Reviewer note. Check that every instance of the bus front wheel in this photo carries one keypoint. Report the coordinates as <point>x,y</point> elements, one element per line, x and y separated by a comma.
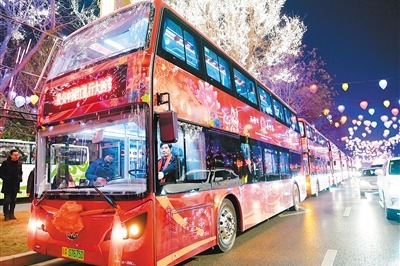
<point>296,199</point>
<point>227,226</point>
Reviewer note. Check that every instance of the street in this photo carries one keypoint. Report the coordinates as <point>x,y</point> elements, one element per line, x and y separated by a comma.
<point>336,228</point>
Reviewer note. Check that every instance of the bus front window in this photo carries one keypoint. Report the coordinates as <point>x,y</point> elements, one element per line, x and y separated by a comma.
<point>111,156</point>
<point>127,30</point>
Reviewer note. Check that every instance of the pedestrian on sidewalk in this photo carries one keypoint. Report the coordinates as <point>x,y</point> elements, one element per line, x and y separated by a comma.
<point>11,173</point>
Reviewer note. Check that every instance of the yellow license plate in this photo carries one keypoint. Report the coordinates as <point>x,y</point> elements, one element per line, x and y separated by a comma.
<point>73,253</point>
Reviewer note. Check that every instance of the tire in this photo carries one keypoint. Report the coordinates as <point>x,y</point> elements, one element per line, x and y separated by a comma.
<point>296,199</point>
<point>390,214</point>
<point>227,226</point>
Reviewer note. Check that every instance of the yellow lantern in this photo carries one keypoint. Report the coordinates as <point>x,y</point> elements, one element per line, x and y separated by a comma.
<point>34,99</point>
<point>386,103</point>
<point>326,111</point>
<point>343,119</point>
<point>345,86</point>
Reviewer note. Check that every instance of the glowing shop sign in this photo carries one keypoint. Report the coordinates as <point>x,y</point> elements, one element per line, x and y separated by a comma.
<point>84,91</point>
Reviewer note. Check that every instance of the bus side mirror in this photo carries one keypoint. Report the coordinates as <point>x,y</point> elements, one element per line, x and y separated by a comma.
<point>168,126</point>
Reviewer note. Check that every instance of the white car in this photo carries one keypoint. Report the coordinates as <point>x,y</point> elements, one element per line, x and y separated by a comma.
<point>389,187</point>
<point>368,181</point>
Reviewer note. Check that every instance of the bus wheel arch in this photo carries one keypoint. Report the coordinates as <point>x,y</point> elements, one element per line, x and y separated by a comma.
<point>227,225</point>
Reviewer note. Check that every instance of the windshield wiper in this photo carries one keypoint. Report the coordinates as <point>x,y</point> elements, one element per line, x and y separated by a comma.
<point>108,199</point>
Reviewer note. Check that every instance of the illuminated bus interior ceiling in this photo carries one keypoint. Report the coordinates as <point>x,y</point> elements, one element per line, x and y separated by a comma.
<point>124,31</point>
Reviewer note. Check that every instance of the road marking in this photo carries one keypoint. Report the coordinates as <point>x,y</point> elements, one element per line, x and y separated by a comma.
<point>347,211</point>
<point>329,258</point>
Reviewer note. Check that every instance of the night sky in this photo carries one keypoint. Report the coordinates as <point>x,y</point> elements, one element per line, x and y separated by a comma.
<point>360,42</point>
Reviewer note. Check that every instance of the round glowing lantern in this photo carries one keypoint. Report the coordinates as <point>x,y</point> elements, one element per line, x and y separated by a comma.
<point>383,84</point>
<point>19,101</point>
<point>386,103</point>
<point>384,118</point>
<point>313,88</point>
<point>395,111</point>
<point>345,86</point>
<point>341,108</point>
<point>364,104</point>
<point>34,99</point>
<point>371,111</point>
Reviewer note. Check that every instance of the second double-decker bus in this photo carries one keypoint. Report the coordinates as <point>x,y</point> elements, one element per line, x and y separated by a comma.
<point>336,164</point>
<point>126,85</point>
<point>315,158</point>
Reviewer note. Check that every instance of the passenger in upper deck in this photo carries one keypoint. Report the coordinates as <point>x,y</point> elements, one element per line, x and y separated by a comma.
<point>101,170</point>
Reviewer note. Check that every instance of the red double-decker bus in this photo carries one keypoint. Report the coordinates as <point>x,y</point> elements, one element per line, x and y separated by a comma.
<point>316,158</point>
<point>127,84</point>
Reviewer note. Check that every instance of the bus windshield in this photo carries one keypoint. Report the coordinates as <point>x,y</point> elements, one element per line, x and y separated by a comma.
<point>124,31</point>
<point>109,154</point>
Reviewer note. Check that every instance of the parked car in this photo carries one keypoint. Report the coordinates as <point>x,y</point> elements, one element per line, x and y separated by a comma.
<point>368,181</point>
<point>389,187</point>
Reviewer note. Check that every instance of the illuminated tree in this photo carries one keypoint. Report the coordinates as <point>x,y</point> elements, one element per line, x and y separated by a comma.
<point>28,23</point>
<point>254,32</point>
<point>293,79</point>
<point>28,30</point>
<point>268,44</point>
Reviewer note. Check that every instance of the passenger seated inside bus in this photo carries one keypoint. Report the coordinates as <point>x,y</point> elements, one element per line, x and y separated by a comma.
<point>101,170</point>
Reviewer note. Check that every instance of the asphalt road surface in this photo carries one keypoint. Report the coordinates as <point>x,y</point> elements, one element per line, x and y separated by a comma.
<point>336,228</point>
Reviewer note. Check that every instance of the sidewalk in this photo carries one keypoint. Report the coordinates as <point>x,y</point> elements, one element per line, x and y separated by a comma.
<point>26,258</point>
<point>23,207</point>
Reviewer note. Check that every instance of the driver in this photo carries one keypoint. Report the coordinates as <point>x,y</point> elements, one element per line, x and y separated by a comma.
<point>101,170</point>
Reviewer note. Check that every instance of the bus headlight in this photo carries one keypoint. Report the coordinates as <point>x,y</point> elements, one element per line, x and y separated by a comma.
<point>36,224</point>
<point>136,226</point>
<point>133,228</point>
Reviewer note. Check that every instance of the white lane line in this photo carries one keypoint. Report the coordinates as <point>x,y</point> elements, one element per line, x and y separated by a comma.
<point>329,258</point>
<point>347,211</point>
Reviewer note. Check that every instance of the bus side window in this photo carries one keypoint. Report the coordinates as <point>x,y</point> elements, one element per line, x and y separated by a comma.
<point>180,43</point>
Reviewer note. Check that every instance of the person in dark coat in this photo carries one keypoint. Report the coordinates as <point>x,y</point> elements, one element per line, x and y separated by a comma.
<point>101,170</point>
<point>11,174</point>
<point>167,165</point>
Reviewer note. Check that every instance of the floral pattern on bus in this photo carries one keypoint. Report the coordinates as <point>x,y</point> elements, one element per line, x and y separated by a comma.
<point>200,102</point>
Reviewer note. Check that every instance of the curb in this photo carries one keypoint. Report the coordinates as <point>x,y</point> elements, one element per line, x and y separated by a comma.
<point>23,259</point>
